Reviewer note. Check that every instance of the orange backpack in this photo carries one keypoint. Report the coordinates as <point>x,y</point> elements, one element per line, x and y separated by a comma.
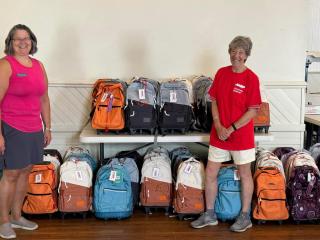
<point>42,190</point>
<point>108,105</point>
<point>269,201</point>
<point>262,119</point>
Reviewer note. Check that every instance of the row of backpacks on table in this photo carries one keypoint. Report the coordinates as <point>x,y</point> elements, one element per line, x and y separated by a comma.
<point>286,181</point>
<point>146,105</point>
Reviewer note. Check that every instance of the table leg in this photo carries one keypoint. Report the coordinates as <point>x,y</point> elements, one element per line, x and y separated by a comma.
<point>101,157</point>
<point>318,134</point>
<point>309,130</point>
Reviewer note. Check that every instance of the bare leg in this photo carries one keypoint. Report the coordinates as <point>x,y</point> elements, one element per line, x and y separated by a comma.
<point>20,193</point>
<point>211,187</point>
<point>8,186</point>
<point>246,186</point>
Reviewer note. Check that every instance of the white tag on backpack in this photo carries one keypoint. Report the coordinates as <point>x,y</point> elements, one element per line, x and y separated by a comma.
<point>188,168</point>
<point>113,176</point>
<point>142,94</point>
<point>309,177</point>
<point>79,175</point>
<point>173,96</point>
<point>104,97</point>
<point>236,175</point>
<point>155,172</point>
<point>38,178</point>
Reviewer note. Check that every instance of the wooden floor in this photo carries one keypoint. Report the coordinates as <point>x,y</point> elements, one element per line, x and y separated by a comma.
<point>156,227</point>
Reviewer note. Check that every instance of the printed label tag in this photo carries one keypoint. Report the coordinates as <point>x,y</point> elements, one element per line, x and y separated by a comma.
<point>113,175</point>
<point>142,94</point>
<point>104,97</point>
<point>188,168</point>
<point>155,172</point>
<point>236,175</point>
<point>309,177</point>
<point>173,96</point>
<point>38,178</point>
<point>118,178</point>
<point>79,175</point>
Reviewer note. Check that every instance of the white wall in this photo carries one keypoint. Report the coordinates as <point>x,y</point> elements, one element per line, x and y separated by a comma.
<point>81,40</point>
<point>313,37</point>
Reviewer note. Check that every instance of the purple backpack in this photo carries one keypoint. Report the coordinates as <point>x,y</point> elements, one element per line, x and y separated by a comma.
<point>303,194</point>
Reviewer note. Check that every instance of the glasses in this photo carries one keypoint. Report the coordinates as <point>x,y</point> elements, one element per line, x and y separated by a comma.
<point>27,39</point>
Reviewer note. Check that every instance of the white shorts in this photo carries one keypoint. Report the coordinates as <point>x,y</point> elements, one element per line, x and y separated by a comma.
<point>239,157</point>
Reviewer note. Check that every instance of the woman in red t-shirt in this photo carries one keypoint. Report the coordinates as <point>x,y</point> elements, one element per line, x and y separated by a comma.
<point>236,99</point>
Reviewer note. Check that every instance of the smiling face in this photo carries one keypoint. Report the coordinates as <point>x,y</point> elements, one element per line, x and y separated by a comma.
<point>238,58</point>
<point>21,43</point>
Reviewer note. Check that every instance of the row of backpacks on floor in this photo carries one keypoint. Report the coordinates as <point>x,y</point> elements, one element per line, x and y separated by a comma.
<point>287,183</point>
<point>146,105</point>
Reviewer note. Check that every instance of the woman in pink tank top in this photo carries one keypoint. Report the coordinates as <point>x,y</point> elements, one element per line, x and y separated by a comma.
<point>25,126</point>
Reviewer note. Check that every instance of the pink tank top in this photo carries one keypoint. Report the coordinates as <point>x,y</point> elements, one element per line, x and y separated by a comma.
<point>21,106</point>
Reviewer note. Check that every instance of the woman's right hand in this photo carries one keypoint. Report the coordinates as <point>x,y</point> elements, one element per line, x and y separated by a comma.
<point>2,145</point>
<point>222,132</point>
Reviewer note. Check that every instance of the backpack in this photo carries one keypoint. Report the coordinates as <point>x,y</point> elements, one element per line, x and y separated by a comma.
<point>177,156</point>
<point>228,201</point>
<point>112,193</point>
<point>175,108</point>
<point>80,154</point>
<point>130,165</point>
<point>108,105</point>
<point>269,199</point>
<point>266,158</point>
<point>303,186</point>
<point>303,193</point>
<point>142,105</point>
<point>202,102</point>
<point>280,151</point>
<point>134,155</point>
<point>189,187</point>
<point>298,158</point>
<point>315,152</point>
<point>262,119</point>
<point>156,178</point>
<point>75,187</point>
<point>43,180</point>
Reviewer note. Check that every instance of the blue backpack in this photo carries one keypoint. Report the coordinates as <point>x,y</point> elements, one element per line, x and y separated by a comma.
<point>132,169</point>
<point>228,201</point>
<point>112,193</point>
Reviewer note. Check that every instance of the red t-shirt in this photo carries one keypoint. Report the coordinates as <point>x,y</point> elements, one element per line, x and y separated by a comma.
<point>234,94</point>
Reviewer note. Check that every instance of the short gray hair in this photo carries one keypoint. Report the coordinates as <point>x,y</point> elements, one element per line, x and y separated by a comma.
<point>8,42</point>
<point>241,42</point>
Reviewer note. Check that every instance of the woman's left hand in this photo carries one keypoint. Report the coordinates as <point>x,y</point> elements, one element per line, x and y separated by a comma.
<point>47,138</point>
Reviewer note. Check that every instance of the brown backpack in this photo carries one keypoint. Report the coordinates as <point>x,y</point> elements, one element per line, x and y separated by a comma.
<point>155,193</point>
<point>108,105</point>
<point>188,200</point>
<point>74,198</point>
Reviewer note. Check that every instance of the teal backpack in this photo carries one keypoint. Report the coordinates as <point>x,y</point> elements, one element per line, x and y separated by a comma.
<point>112,193</point>
<point>228,201</point>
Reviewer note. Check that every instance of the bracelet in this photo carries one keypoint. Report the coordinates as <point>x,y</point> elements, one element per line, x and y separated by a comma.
<point>48,129</point>
<point>234,127</point>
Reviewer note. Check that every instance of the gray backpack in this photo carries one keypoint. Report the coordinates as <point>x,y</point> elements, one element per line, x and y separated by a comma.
<point>142,105</point>
<point>202,102</point>
<point>176,112</point>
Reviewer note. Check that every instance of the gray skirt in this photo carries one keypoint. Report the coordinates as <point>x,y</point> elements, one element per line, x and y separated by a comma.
<point>21,148</point>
